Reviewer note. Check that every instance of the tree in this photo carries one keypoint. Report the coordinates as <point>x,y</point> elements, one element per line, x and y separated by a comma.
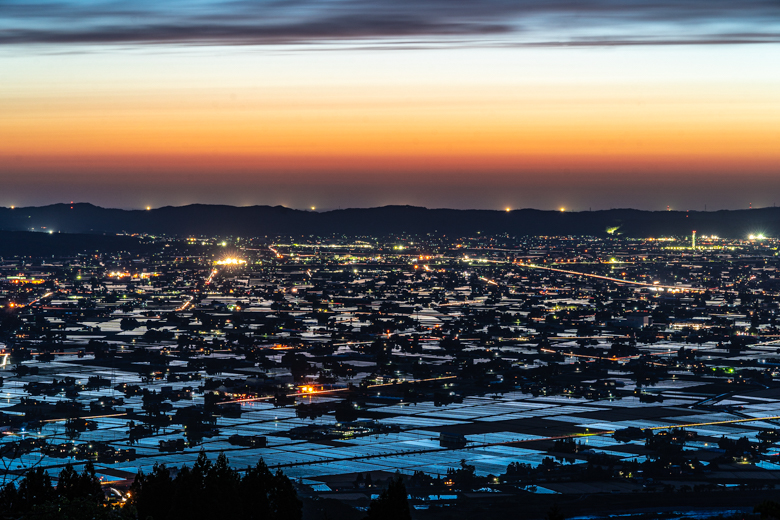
<point>86,485</point>
<point>151,494</point>
<point>256,483</point>
<point>392,503</point>
<point>222,481</point>
<point>284,499</point>
<point>768,510</point>
<point>554,513</point>
<point>35,488</point>
<point>129,323</point>
<point>208,491</point>
<point>464,477</point>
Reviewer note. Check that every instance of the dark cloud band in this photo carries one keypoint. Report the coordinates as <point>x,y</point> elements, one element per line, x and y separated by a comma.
<point>519,22</point>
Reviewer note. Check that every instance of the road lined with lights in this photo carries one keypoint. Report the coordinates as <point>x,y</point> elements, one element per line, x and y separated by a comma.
<point>610,279</point>
<point>308,390</point>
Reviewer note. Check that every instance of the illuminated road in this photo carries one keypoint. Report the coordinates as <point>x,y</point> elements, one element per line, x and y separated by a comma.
<point>610,279</point>
<point>337,390</point>
<point>37,300</point>
<point>587,275</point>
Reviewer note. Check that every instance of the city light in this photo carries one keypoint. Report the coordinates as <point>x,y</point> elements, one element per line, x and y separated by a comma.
<point>230,261</point>
<point>314,311</point>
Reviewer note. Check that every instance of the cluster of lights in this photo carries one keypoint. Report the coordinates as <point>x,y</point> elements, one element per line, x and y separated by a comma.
<point>230,261</point>
<point>125,274</point>
<point>32,281</point>
<point>759,236</point>
<point>661,289</point>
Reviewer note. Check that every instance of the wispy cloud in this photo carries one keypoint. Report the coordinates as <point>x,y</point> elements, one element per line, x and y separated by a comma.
<point>503,22</point>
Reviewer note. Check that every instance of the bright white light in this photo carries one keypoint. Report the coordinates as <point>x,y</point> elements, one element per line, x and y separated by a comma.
<point>230,261</point>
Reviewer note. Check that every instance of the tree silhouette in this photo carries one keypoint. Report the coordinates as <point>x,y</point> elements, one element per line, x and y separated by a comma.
<point>554,513</point>
<point>392,504</point>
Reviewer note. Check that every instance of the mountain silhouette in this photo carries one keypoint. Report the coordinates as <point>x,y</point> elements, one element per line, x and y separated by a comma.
<point>258,221</point>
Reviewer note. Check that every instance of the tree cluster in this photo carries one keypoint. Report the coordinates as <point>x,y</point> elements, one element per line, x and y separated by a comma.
<point>76,496</point>
<point>215,490</point>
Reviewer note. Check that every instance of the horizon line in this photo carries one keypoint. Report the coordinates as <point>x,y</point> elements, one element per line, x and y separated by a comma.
<point>314,209</point>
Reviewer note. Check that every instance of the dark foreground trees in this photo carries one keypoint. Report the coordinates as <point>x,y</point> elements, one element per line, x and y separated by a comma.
<point>206,491</point>
<point>77,496</point>
<point>392,503</point>
<point>215,490</point>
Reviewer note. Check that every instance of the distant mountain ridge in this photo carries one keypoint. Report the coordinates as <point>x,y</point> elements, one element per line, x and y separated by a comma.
<point>219,220</point>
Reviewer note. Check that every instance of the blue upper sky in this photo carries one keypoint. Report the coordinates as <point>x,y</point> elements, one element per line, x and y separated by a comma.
<point>417,22</point>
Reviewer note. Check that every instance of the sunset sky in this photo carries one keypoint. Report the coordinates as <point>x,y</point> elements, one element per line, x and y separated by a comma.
<point>442,103</point>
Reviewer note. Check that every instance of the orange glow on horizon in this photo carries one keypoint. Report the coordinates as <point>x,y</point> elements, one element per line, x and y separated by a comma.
<point>412,128</point>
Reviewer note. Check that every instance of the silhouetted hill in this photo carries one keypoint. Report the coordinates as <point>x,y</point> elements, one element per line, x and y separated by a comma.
<point>211,220</point>
<point>28,243</point>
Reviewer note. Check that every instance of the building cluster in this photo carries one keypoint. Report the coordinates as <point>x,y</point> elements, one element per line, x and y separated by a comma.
<point>466,363</point>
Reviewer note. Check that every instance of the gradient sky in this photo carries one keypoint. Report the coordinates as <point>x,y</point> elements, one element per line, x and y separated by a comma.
<point>443,103</point>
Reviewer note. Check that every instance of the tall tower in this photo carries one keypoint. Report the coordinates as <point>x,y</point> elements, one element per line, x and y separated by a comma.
<point>693,240</point>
